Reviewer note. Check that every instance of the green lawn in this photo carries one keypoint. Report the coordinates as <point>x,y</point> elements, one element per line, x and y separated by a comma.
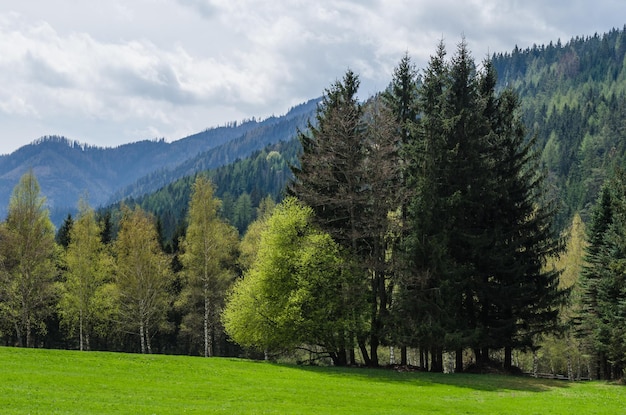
<point>67,382</point>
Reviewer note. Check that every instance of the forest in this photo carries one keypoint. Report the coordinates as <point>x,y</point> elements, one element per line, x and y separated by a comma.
<point>450,219</point>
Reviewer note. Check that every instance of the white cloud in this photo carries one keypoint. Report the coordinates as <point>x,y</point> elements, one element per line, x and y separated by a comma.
<point>123,70</point>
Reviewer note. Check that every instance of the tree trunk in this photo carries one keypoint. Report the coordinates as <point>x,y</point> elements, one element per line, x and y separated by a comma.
<point>508,358</point>
<point>206,323</point>
<point>403,356</point>
<point>374,343</point>
<point>458,364</point>
<point>148,344</point>
<point>436,364</point>
<point>392,356</point>
<point>142,337</point>
<point>80,330</point>
<point>18,333</point>
<point>364,353</point>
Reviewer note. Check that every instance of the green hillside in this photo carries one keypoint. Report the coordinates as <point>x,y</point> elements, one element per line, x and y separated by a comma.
<point>574,99</point>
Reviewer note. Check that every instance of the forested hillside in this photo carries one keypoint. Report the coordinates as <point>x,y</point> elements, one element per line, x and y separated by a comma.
<point>240,186</point>
<point>573,98</point>
<point>68,169</point>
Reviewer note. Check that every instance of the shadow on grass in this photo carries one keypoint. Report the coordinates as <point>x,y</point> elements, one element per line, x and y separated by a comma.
<point>480,382</point>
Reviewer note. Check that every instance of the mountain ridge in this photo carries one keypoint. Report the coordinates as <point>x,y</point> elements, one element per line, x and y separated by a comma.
<point>67,169</point>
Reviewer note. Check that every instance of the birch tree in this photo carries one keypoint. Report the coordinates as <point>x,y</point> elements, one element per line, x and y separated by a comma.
<point>87,265</point>
<point>28,269</point>
<point>208,255</point>
<point>142,275</point>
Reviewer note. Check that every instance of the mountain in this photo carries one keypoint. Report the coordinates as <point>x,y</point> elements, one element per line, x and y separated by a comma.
<point>68,169</point>
<point>573,97</point>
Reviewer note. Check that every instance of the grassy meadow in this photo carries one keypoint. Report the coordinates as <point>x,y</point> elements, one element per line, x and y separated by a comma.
<point>36,381</point>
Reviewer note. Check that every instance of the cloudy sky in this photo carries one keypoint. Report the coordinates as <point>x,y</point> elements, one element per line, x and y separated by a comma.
<point>117,71</point>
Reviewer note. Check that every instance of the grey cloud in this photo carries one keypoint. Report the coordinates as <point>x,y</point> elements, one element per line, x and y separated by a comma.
<point>44,73</point>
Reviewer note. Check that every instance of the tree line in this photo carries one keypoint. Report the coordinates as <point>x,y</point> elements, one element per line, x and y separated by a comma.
<point>441,227</point>
<point>418,219</point>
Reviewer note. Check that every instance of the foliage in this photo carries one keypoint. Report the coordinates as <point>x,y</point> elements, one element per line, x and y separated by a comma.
<point>142,276</point>
<point>83,304</point>
<point>27,290</point>
<point>298,291</point>
<point>208,257</point>
<point>603,313</point>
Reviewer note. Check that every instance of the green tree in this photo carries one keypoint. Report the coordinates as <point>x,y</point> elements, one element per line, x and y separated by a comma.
<point>63,234</point>
<point>298,292</point>
<point>251,241</point>
<point>348,175</point>
<point>208,259</point>
<point>603,313</point>
<point>27,290</point>
<point>480,226</point>
<point>88,265</point>
<point>142,276</point>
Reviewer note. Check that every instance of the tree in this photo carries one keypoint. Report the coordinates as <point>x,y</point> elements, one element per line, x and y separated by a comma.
<point>27,291</point>
<point>63,235</point>
<point>208,258</point>
<point>603,313</point>
<point>480,225</point>
<point>348,176</point>
<point>88,264</point>
<point>402,99</point>
<point>142,275</point>
<point>251,241</point>
<point>299,291</point>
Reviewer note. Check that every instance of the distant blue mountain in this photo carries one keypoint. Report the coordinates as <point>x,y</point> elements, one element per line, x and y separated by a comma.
<point>68,169</point>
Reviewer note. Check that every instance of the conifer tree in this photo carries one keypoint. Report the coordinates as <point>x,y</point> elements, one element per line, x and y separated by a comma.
<point>603,314</point>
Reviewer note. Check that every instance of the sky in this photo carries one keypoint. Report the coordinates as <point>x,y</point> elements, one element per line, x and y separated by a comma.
<point>111,72</point>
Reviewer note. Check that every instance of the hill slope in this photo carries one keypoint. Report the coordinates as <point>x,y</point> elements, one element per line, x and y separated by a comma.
<point>67,169</point>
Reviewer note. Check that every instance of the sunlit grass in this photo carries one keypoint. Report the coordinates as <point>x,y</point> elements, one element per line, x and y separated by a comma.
<point>66,382</point>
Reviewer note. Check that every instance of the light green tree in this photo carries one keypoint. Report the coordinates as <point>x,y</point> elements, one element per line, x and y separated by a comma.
<point>142,276</point>
<point>298,292</point>
<point>28,269</point>
<point>208,258</point>
<point>88,265</point>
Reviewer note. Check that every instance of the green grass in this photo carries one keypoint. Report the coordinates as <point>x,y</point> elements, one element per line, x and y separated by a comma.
<point>65,382</point>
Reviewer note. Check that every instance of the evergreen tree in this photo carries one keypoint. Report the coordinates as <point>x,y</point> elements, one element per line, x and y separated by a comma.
<point>603,315</point>
<point>481,227</point>
<point>63,234</point>
<point>349,175</point>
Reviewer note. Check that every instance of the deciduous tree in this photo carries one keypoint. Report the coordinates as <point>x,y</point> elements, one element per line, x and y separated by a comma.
<point>89,268</point>
<point>208,258</point>
<point>27,290</point>
<point>142,276</point>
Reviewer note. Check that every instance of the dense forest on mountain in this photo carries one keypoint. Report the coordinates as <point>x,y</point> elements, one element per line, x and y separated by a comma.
<point>573,98</point>
<point>67,170</point>
<point>240,186</point>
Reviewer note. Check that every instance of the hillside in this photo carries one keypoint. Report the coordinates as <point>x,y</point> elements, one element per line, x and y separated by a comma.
<point>68,169</point>
<point>573,98</point>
